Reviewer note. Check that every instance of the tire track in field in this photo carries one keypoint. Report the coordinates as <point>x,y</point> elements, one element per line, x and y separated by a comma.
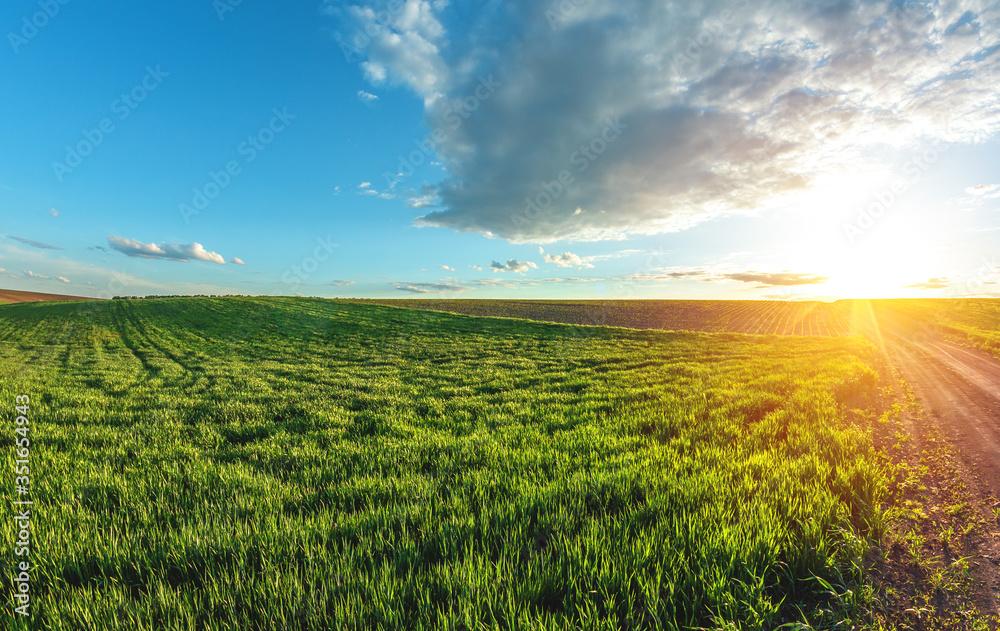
<point>191,372</point>
<point>142,345</point>
<point>120,324</point>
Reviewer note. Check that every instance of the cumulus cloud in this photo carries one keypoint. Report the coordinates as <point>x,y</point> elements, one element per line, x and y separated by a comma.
<point>31,274</point>
<point>513,265</point>
<point>430,288</point>
<point>169,251</point>
<point>400,42</point>
<point>62,279</point>
<point>34,244</point>
<point>447,269</point>
<point>567,259</point>
<point>640,116</point>
<point>237,261</point>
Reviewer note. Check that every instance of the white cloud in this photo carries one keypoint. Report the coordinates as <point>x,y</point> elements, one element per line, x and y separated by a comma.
<point>341,283</point>
<point>447,269</point>
<point>424,198</point>
<point>365,188</point>
<point>170,251</point>
<point>986,191</point>
<point>568,259</point>
<point>237,261</point>
<point>367,97</point>
<point>705,109</point>
<point>53,212</point>
<point>979,196</point>
<point>30,274</point>
<point>401,43</point>
<point>513,265</point>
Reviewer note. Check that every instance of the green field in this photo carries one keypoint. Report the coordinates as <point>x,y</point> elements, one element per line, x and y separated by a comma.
<point>281,463</point>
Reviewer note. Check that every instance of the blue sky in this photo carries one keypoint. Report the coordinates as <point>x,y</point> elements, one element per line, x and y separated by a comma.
<point>574,149</point>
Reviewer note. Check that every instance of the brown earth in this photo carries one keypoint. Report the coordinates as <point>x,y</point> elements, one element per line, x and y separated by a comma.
<point>11,296</point>
<point>761,317</point>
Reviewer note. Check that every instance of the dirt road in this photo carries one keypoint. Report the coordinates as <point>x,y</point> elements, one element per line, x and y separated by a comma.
<point>959,389</point>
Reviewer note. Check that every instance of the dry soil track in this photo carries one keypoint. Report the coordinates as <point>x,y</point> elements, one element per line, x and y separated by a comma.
<point>959,389</point>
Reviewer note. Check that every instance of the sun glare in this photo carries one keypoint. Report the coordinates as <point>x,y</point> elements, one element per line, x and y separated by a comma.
<point>861,259</point>
<point>882,265</point>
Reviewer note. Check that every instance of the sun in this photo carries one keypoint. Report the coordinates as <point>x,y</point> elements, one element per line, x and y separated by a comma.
<point>878,260</point>
<point>882,262</point>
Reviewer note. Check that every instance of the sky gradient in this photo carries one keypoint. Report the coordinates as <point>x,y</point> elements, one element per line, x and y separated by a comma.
<point>564,149</point>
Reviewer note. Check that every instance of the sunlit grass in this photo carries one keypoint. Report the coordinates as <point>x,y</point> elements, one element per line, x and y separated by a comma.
<point>306,464</point>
